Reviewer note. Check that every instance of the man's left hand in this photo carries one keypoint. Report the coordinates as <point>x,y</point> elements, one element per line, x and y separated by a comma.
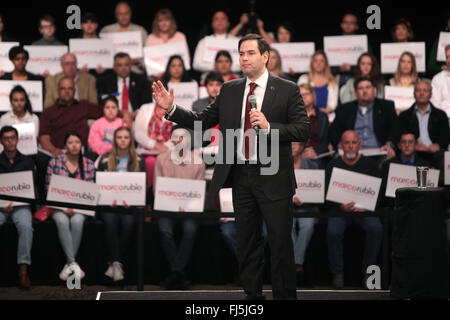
<point>388,149</point>
<point>257,118</point>
<point>434,147</point>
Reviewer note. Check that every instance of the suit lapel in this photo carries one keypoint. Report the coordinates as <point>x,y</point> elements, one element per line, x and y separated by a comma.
<point>237,103</point>
<point>269,95</point>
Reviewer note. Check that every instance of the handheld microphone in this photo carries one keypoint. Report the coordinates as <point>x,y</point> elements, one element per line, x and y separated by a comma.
<point>252,101</point>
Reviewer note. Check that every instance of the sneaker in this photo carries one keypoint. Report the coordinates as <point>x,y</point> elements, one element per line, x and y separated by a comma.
<point>118,271</point>
<point>64,274</point>
<point>110,271</point>
<point>338,280</point>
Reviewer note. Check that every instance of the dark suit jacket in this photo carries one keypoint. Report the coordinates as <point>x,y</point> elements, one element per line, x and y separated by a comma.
<point>322,133</point>
<point>438,128</point>
<point>385,121</point>
<point>30,76</point>
<point>284,109</point>
<point>140,91</point>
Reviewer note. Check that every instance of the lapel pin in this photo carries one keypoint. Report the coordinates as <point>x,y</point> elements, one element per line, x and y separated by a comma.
<point>272,88</point>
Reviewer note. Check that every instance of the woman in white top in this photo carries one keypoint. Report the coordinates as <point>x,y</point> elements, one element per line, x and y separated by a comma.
<point>406,74</point>
<point>324,84</point>
<point>21,110</point>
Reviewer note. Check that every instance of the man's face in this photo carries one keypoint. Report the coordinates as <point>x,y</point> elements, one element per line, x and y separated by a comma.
<point>407,144</point>
<point>213,88</point>
<point>69,65</point>
<point>365,92</point>
<point>47,29</point>
<point>220,23</point>
<point>251,60</point>
<point>223,65</point>
<point>66,90</point>
<point>350,144</point>
<point>123,14</point>
<point>9,141</point>
<point>422,93</point>
<point>89,27</point>
<point>20,61</point>
<point>122,66</point>
<point>349,24</point>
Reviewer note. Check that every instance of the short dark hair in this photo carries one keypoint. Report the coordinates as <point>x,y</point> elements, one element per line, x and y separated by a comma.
<point>109,98</point>
<point>361,79</point>
<point>6,129</point>
<point>223,53</point>
<point>407,131</point>
<point>120,55</point>
<point>89,16</point>
<point>46,17</point>
<point>286,25</point>
<point>213,76</point>
<point>263,46</point>
<point>14,51</point>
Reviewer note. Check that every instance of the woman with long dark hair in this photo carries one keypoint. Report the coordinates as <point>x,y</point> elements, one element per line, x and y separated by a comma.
<point>175,71</point>
<point>69,222</point>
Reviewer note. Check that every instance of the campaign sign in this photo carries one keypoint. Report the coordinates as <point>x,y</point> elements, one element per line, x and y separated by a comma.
<point>122,186</point>
<point>403,97</point>
<point>65,189</point>
<point>295,55</point>
<point>44,58</point>
<point>33,89</point>
<point>16,184</point>
<point>344,49</point>
<point>93,52</point>
<point>5,64</point>
<point>156,57</point>
<point>226,200</point>
<point>403,176</point>
<point>347,186</point>
<point>391,52</point>
<point>185,93</point>
<point>214,45</point>
<point>444,40</point>
<point>129,42</point>
<point>173,194</point>
<point>310,185</point>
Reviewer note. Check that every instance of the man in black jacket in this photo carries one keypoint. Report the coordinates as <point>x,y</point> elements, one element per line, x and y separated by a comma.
<point>131,89</point>
<point>374,120</point>
<point>429,124</point>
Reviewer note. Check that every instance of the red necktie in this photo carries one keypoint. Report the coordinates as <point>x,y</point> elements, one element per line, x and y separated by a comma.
<point>125,97</point>
<point>249,140</point>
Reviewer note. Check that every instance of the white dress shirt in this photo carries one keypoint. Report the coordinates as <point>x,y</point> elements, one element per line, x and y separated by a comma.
<point>120,89</point>
<point>440,96</point>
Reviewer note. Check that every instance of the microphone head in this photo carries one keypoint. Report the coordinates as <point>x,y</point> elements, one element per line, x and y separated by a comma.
<point>252,100</point>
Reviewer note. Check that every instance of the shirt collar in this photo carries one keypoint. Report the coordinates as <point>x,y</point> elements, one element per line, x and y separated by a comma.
<point>410,162</point>
<point>426,111</point>
<point>261,81</point>
<point>369,107</point>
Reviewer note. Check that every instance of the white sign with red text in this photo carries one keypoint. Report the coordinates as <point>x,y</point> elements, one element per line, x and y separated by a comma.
<point>5,64</point>
<point>156,57</point>
<point>16,184</point>
<point>33,89</point>
<point>179,195</point>
<point>444,40</point>
<point>122,186</point>
<point>27,138</point>
<point>391,52</point>
<point>70,190</point>
<point>185,93</point>
<point>226,203</point>
<point>403,176</point>
<point>347,186</point>
<point>92,52</point>
<point>45,58</point>
<point>403,97</point>
<point>310,185</point>
<point>344,49</point>
<point>213,45</point>
<point>295,56</point>
<point>129,42</point>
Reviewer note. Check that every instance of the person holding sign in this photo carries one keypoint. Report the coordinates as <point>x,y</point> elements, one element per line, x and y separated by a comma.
<point>406,74</point>
<point>434,67</point>
<point>351,160</point>
<point>257,196</point>
<point>122,158</point>
<point>402,31</point>
<point>275,65</point>
<point>69,223</point>
<point>19,57</point>
<point>179,163</point>
<point>11,160</point>
<point>441,86</point>
<point>222,65</point>
<point>175,71</point>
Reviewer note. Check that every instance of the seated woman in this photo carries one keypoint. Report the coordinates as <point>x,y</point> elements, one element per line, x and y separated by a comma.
<point>323,82</point>
<point>222,65</point>
<point>367,66</point>
<point>69,223</point>
<point>19,57</point>
<point>275,65</point>
<point>122,158</point>
<point>406,73</point>
<point>175,71</point>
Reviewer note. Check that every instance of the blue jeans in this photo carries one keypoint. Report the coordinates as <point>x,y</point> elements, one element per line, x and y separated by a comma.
<point>70,232</point>
<point>335,234</point>
<point>177,257</point>
<point>228,230</point>
<point>118,243</point>
<point>301,238</point>
<point>21,216</point>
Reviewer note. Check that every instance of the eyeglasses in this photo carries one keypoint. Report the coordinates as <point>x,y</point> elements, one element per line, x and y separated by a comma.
<point>9,138</point>
<point>410,142</point>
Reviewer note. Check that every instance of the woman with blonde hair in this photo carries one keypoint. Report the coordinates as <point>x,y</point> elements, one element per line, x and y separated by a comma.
<point>406,73</point>
<point>275,65</point>
<point>324,83</point>
<point>122,158</point>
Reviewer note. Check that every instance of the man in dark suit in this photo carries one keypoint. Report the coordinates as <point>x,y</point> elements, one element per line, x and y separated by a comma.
<point>429,125</point>
<point>256,196</point>
<point>374,120</point>
<point>131,89</point>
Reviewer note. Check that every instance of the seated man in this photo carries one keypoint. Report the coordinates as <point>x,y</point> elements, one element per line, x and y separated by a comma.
<point>131,89</point>
<point>183,164</point>
<point>85,83</point>
<point>441,86</point>
<point>373,119</point>
<point>428,123</point>
<point>11,160</point>
<point>213,83</point>
<point>351,160</point>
